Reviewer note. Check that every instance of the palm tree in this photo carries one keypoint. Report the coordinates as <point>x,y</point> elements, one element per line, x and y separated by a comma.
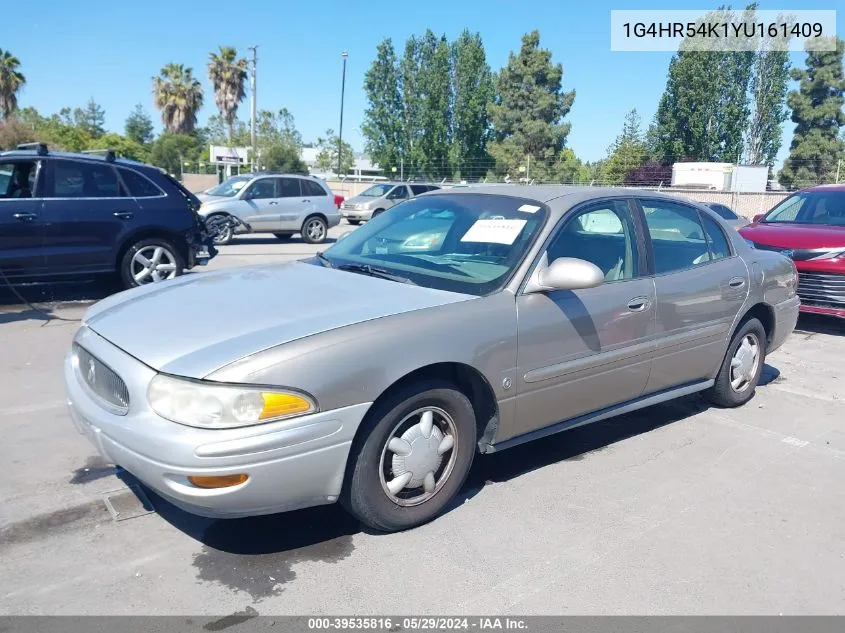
<point>178,94</point>
<point>11,81</point>
<point>228,76</point>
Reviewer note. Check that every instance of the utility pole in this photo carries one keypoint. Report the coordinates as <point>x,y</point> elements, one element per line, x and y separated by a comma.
<point>254,50</point>
<point>344,54</point>
<point>838,167</point>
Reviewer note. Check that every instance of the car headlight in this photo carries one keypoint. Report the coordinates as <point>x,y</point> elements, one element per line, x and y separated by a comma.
<point>214,406</point>
<point>361,207</point>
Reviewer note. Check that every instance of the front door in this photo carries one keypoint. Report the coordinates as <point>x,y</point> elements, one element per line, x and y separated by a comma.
<point>21,224</point>
<point>260,206</point>
<point>583,350</point>
<point>399,194</point>
<point>87,215</point>
<point>701,285</point>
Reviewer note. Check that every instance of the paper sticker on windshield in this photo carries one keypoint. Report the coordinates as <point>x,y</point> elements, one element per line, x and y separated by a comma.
<point>494,231</point>
<point>528,208</point>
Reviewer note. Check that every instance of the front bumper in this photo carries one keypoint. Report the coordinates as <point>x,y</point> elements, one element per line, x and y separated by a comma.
<point>291,464</point>
<point>352,214</point>
<point>833,312</point>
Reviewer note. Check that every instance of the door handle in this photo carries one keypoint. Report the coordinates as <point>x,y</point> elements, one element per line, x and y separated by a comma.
<point>638,304</point>
<point>24,217</point>
<point>736,282</point>
<point>273,202</point>
<point>124,215</point>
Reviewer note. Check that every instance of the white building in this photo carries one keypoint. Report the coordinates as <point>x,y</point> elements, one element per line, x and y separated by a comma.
<point>720,176</point>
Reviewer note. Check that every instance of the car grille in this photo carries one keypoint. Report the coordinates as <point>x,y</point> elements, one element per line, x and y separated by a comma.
<point>105,385</point>
<point>823,290</point>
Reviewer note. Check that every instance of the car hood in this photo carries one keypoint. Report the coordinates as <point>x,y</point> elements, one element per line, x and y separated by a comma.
<point>201,322</point>
<point>794,235</point>
<point>360,199</point>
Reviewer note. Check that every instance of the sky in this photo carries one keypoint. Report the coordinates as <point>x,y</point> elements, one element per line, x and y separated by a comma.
<point>73,50</point>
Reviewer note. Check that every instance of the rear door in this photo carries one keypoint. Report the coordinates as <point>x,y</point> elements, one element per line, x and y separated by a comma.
<point>293,202</point>
<point>87,216</point>
<point>21,221</point>
<point>701,285</point>
<point>263,208</point>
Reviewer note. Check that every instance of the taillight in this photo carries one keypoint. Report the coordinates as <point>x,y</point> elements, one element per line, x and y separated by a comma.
<point>338,200</point>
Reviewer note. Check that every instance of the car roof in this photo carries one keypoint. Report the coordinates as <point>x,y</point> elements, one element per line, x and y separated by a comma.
<point>93,158</point>
<point>831,187</point>
<point>547,193</point>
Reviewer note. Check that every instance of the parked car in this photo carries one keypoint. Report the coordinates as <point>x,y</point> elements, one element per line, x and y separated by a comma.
<point>727,214</point>
<point>373,373</point>
<point>379,198</point>
<point>80,215</point>
<point>809,227</point>
<point>281,204</point>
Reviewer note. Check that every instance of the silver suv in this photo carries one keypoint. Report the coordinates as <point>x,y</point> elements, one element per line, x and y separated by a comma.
<point>281,204</point>
<point>378,198</point>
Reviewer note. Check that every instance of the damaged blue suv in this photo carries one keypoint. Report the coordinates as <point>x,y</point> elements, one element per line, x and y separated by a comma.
<point>80,215</point>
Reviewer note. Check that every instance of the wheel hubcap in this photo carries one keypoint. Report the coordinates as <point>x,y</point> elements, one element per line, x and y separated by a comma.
<point>314,230</point>
<point>151,264</point>
<point>224,235</point>
<point>745,362</point>
<point>419,456</point>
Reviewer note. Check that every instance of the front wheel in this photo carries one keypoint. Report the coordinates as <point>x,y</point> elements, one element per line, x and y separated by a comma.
<point>224,234</point>
<point>416,452</point>
<point>150,261</point>
<point>314,230</point>
<point>740,371</point>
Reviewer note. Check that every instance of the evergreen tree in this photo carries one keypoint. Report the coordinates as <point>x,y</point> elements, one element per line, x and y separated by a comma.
<point>627,152</point>
<point>528,112</point>
<point>139,126</point>
<point>383,119</point>
<point>472,94</point>
<point>817,113</point>
<point>91,119</point>
<point>768,98</point>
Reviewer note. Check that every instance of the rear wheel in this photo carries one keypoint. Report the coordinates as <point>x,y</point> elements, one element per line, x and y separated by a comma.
<point>314,230</point>
<point>149,261</point>
<point>414,454</point>
<point>740,371</point>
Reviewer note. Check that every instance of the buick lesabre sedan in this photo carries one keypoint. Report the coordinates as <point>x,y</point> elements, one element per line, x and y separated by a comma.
<point>460,322</point>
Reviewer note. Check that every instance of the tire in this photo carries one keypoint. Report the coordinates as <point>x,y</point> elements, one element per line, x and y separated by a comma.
<point>170,264</point>
<point>283,236</point>
<point>371,467</point>
<point>354,222</point>
<point>749,333</point>
<point>226,236</point>
<point>314,230</point>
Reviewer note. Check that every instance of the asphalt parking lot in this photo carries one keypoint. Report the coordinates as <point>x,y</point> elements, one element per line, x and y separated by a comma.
<point>676,509</point>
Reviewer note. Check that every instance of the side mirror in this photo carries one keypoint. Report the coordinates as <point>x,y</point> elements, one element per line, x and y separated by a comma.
<point>566,273</point>
<point>758,217</point>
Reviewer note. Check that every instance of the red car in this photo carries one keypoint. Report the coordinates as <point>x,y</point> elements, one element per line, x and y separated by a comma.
<point>809,227</point>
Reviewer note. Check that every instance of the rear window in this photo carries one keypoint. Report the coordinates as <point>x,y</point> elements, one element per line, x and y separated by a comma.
<point>311,188</point>
<point>139,186</point>
<point>723,211</point>
<point>418,189</point>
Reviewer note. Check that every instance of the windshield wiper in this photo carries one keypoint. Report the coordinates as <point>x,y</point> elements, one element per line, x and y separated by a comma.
<point>366,269</point>
<point>326,261</point>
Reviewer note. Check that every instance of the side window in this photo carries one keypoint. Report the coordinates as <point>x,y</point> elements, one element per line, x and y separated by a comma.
<point>603,235</point>
<point>676,236</point>
<point>418,189</point>
<point>715,238</point>
<point>399,193</point>
<point>261,190</point>
<point>17,180</point>
<point>84,180</point>
<point>289,187</point>
<point>138,185</point>
<point>311,188</point>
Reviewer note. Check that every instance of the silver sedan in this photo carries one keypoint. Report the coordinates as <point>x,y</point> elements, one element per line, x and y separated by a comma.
<point>461,322</point>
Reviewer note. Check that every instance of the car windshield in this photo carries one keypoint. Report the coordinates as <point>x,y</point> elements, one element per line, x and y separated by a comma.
<point>230,187</point>
<point>469,243</point>
<point>376,191</point>
<point>810,207</point>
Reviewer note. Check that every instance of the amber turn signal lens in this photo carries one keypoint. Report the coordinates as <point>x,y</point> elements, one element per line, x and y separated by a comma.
<point>279,404</point>
<point>218,481</point>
